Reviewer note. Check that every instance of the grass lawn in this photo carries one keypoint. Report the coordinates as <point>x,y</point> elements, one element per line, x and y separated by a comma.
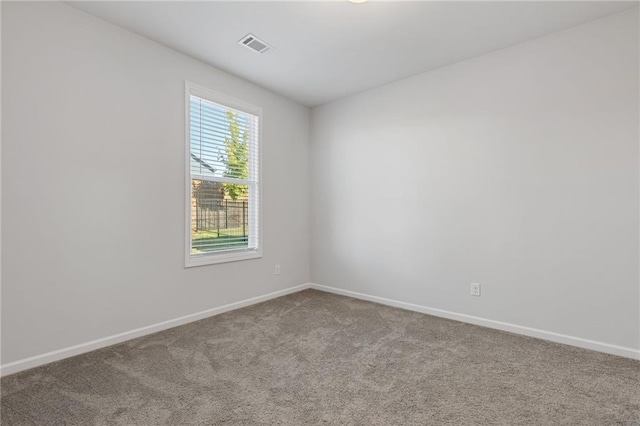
<point>207,241</point>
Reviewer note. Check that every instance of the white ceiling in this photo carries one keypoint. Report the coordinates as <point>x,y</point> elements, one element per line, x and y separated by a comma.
<point>327,50</point>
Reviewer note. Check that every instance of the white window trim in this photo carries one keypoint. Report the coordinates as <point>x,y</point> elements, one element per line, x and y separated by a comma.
<point>230,255</point>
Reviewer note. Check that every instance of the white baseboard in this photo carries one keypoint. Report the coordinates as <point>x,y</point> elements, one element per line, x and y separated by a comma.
<point>35,361</point>
<point>513,328</point>
<point>57,355</point>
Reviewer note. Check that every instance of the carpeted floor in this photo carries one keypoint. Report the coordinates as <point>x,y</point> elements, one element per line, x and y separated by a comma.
<point>318,358</point>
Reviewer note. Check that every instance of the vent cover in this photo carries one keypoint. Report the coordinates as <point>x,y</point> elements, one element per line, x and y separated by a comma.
<point>254,43</point>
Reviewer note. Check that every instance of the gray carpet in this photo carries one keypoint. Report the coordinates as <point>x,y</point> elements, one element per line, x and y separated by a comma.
<point>317,358</point>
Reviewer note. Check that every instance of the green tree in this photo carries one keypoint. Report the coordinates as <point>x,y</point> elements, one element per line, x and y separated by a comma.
<point>237,157</point>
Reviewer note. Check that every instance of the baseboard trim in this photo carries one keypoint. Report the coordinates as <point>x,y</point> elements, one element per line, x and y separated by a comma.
<point>513,328</point>
<point>38,360</point>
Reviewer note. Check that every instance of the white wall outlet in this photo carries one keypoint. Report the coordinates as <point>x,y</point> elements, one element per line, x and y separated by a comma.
<point>475,289</point>
<point>277,270</point>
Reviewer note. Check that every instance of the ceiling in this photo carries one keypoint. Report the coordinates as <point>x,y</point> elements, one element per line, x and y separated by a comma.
<point>327,50</point>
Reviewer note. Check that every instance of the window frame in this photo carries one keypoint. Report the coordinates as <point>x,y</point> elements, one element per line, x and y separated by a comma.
<point>232,103</point>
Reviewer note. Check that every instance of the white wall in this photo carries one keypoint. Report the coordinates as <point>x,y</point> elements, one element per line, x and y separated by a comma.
<point>93,184</point>
<point>517,169</point>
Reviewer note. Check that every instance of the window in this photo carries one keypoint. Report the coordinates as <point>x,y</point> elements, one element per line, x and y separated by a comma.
<point>222,185</point>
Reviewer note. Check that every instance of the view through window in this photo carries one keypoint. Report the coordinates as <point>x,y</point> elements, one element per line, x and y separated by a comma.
<point>223,164</point>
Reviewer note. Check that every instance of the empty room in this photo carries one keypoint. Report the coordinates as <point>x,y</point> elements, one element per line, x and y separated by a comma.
<point>320,213</point>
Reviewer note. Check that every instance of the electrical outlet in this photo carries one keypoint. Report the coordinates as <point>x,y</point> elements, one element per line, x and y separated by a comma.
<point>475,289</point>
<point>277,270</point>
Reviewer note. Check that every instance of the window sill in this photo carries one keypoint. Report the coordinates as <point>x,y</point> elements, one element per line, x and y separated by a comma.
<point>224,257</point>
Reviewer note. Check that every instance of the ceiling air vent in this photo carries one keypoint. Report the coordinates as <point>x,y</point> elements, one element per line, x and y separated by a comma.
<point>254,43</point>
